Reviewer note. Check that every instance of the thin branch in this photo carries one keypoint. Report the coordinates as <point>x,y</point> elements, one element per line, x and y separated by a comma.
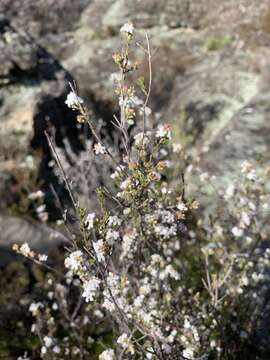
<point>52,147</point>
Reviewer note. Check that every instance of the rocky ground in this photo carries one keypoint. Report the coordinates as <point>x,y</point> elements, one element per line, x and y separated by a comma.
<point>210,68</point>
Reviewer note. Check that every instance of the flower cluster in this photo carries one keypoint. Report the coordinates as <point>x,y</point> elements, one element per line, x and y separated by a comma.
<point>25,250</point>
<point>73,101</point>
<point>163,279</point>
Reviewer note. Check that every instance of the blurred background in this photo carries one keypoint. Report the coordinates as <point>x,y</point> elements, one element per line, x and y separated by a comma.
<point>211,73</point>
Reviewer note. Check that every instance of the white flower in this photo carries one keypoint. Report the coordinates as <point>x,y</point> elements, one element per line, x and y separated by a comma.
<point>127,28</point>
<point>164,131</point>
<point>42,257</point>
<point>245,220</point>
<point>252,206</point>
<point>89,221</point>
<point>108,304</point>
<point>138,302</point>
<point>99,149</point>
<point>34,307</point>
<point>73,100</point>
<point>114,221</point>
<point>107,355</point>
<point>181,206</point>
<point>146,110</point>
<point>113,281</point>
<point>237,232</point>
<point>170,271</point>
<point>118,172</point>
<point>90,288</point>
<point>55,306</point>
<point>74,261</point>
<point>124,184</point>
<point>56,349</point>
<point>156,259</point>
<point>48,341</point>
<point>24,250</point>
<point>128,240</point>
<point>139,138</point>
<point>41,208</point>
<point>125,342</point>
<point>99,248</point>
<point>145,289</point>
<point>188,353</point>
<point>36,195</point>
<point>43,350</point>
<point>165,216</point>
<point>165,231</point>
<point>111,236</point>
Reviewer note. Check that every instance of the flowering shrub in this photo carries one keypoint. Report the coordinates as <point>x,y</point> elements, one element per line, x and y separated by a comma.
<point>154,278</point>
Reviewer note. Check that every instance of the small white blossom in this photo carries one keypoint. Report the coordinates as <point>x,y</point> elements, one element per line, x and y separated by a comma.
<point>237,232</point>
<point>146,110</point>
<point>42,257</point>
<point>165,231</point>
<point>99,149</point>
<point>73,100</point>
<point>74,261</point>
<point>41,208</point>
<point>127,28</point>
<point>43,350</point>
<point>89,221</point>
<point>24,250</point>
<point>34,307</point>
<point>107,355</point>
<point>90,288</point>
<point>164,131</point>
<point>188,353</point>
<point>125,342</point>
<point>36,195</point>
<point>99,248</point>
<point>245,220</point>
<point>128,240</point>
<point>252,206</point>
<point>139,138</point>
<point>124,184</point>
<point>48,341</point>
<point>56,349</point>
<point>108,304</point>
<point>156,259</point>
<point>114,221</point>
<point>181,206</point>
<point>145,289</point>
<point>118,171</point>
<point>171,272</point>
<point>55,306</point>
<point>111,236</point>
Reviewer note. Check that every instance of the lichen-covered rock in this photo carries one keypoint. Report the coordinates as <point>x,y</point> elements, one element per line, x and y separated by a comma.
<point>210,64</point>
<point>18,230</point>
